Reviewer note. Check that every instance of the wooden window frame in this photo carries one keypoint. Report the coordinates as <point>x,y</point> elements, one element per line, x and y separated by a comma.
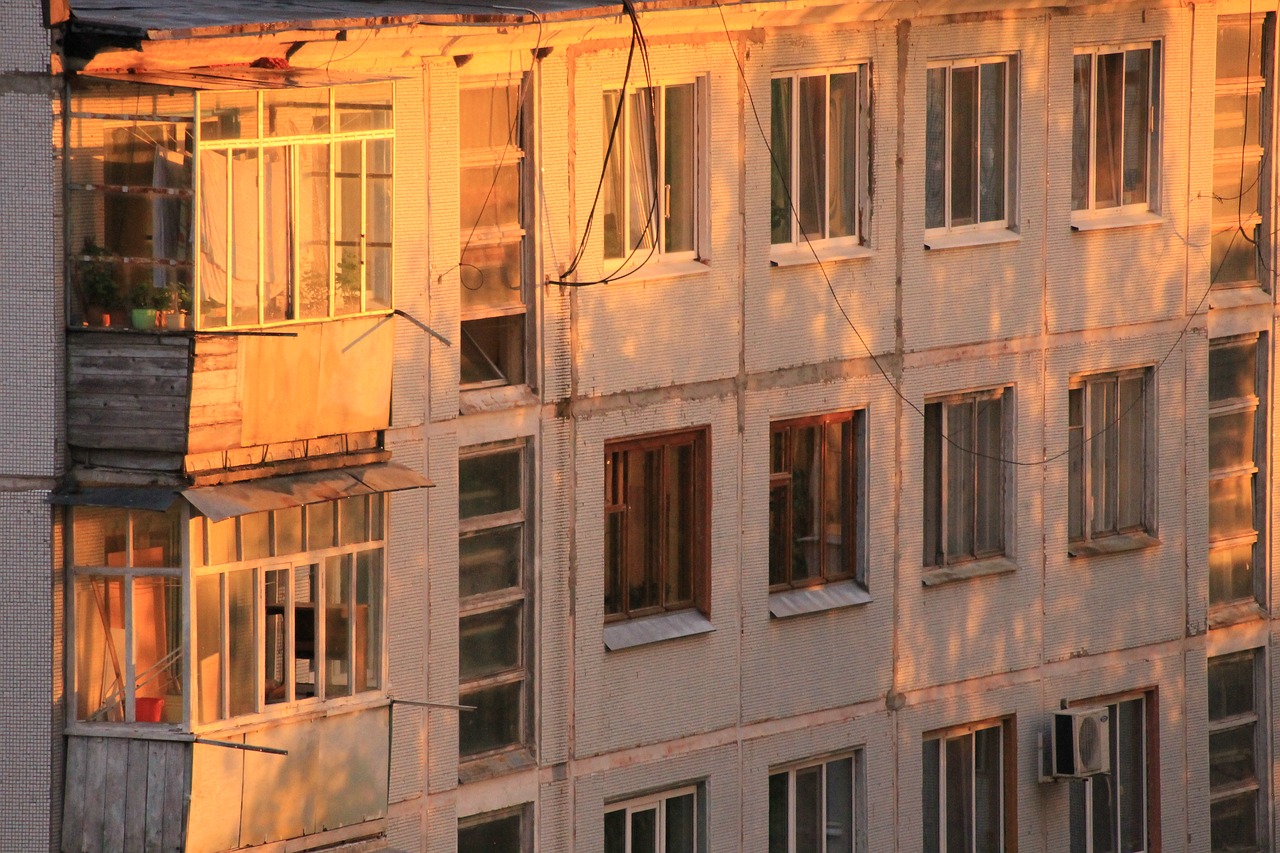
<point>1150,770</point>
<point>1257,718</point>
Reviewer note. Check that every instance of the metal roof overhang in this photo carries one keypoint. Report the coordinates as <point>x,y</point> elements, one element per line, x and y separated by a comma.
<point>236,78</point>
<point>229,500</point>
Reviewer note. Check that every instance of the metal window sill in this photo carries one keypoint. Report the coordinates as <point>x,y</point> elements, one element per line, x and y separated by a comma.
<point>976,237</point>
<point>1118,544</point>
<point>512,760</point>
<point>655,629</point>
<point>473,400</point>
<point>1118,219</point>
<point>795,256</point>
<point>655,268</point>
<point>1238,297</point>
<point>1235,612</point>
<point>939,575</point>
<point>816,599</point>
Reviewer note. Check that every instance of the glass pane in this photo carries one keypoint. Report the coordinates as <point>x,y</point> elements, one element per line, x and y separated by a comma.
<point>277,253</point>
<point>839,819</point>
<point>644,518</point>
<point>1231,440</point>
<point>228,115</point>
<point>492,836</point>
<point>960,796</point>
<point>811,157</point>
<point>1239,48</point>
<point>288,524</point>
<point>195,534</point>
<point>255,535</point>
<point>644,831</point>
<point>989,532</point>
<point>246,230</point>
<point>491,277</point>
<point>615,545</point>
<point>1102,455</point>
<point>780,190</point>
<point>1234,255</point>
<point>368,621</point>
<point>378,219</point>
<point>809,803</point>
<point>1232,370</point>
<point>320,526</point>
<point>276,636</point>
<point>222,541</point>
<point>935,149</point>
<point>1081,123</point>
<point>1104,817</point>
<point>1230,685</point>
<point>1075,463</point>
<point>642,198</point>
<point>156,538</point>
<point>615,831</point>
<point>1231,573</point>
<point>100,648</point>
<point>1237,120</point>
<point>242,656</point>
<point>1235,193</point>
<point>679,512</point>
<point>959,452</point>
<point>1130,775</point>
<point>931,795</point>
<point>490,198</point>
<point>353,520</point>
<point>488,118</point>
<point>306,656</point>
<point>844,166</point>
<point>490,643</point>
<point>933,555</point>
<point>779,813</point>
<point>991,170</point>
<point>311,221</point>
<point>779,533</point>
<point>1137,119</point>
<point>1231,758</point>
<point>681,830</point>
<point>1109,119</point>
<point>613,187</point>
<point>493,350</point>
<point>99,535</point>
<point>489,484</point>
<point>1233,823</point>
<point>337,626</point>
<point>680,148</point>
<point>964,146</point>
<point>363,107</point>
<point>495,722</point>
<point>1131,458</point>
<point>157,649</point>
<point>376,504</point>
<point>489,560</point>
<point>806,486</point>
<point>295,111</point>
<point>1079,791</point>
<point>208,651</point>
<point>837,529</point>
<point>214,214</point>
<point>1231,506</point>
<point>348,246</point>
<point>987,790</point>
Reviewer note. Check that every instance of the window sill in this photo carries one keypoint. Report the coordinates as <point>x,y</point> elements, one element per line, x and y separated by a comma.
<point>1222,615</point>
<point>975,237</point>
<point>655,269</point>
<point>475,400</point>
<point>1238,297</point>
<point>939,575</point>
<point>794,256</point>
<point>512,760</point>
<point>1117,544</point>
<point>816,599</point>
<point>1121,219</point>
<point>655,629</point>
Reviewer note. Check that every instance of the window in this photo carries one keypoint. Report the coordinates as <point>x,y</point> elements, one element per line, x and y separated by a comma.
<point>663,823</point>
<point>819,141</point>
<point>1107,456</point>
<point>964,791</point>
<point>295,204</point>
<point>1115,128</point>
<point>655,524</point>
<point>493,261</point>
<point>494,832</point>
<point>493,600</point>
<point>964,478</point>
<point>127,614</point>
<point>652,172</point>
<point>1237,757</point>
<point>969,141</point>
<point>1109,811</point>
<point>1237,432</point>
<point>261,582</point>
<point>813,500</point>
<point>817,808</point>
<point>1241,124</point>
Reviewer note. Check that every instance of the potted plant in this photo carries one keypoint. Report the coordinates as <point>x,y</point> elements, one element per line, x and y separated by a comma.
<point>178,311</point>
<point>98,288</point>
<point>145,302</point>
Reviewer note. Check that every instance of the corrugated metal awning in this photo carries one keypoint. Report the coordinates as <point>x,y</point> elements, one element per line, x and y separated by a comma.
<point>232,499</point>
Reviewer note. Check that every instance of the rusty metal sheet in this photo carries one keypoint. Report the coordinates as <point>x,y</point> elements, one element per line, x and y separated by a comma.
<point>232,499</point>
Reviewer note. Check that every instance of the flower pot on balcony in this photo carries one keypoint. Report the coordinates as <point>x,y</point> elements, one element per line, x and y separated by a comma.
<point>97,316</point>
<point>143,318</point>
<point>177,321</point>
<point>149,709</point>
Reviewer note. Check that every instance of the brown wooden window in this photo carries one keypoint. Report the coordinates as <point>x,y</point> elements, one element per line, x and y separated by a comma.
<point>1107,461</point>
<point>655,524</point>
<point>968,791</point>
<point>964,478</point>
<point>813,499</point>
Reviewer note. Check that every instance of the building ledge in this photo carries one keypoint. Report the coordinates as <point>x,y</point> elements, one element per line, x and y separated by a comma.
<point>1117,544</point>
<point>973,237</point>
<point>481,767</point>
<point>939,575</point>
<point>1119,218</point>
<point>655,629</point>
<point>1222,615</point>
<point>816,599</point>
<point>819,252</point>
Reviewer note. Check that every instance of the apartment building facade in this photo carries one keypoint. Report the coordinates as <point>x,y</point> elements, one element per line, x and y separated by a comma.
<point>767,427</point>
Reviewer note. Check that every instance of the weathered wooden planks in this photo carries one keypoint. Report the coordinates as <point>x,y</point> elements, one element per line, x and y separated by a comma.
<point>125,796</point>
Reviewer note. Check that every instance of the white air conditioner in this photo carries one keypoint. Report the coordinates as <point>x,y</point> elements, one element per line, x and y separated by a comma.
<point>1081,742</point>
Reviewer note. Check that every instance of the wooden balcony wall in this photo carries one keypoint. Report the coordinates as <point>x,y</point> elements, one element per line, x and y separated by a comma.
<point>125,796</point>
<point>183,403</point>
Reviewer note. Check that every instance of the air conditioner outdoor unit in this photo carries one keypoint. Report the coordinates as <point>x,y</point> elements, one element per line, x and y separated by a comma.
<point>1081,742</point>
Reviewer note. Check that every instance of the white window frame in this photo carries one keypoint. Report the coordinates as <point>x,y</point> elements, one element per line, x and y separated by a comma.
<point>635,256</point>
<point>1153,148</point>
<point>858,151</point>
<point>939,740</point>
<point>657,803</point>
<point>857,807</point>
<point>941,557</point>
<point>1083,836</point>
<point>1008,179</point>
<point>1144,408</point>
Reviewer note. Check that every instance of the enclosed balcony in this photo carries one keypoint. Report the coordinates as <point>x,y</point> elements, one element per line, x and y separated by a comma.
<point>230,268</point>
